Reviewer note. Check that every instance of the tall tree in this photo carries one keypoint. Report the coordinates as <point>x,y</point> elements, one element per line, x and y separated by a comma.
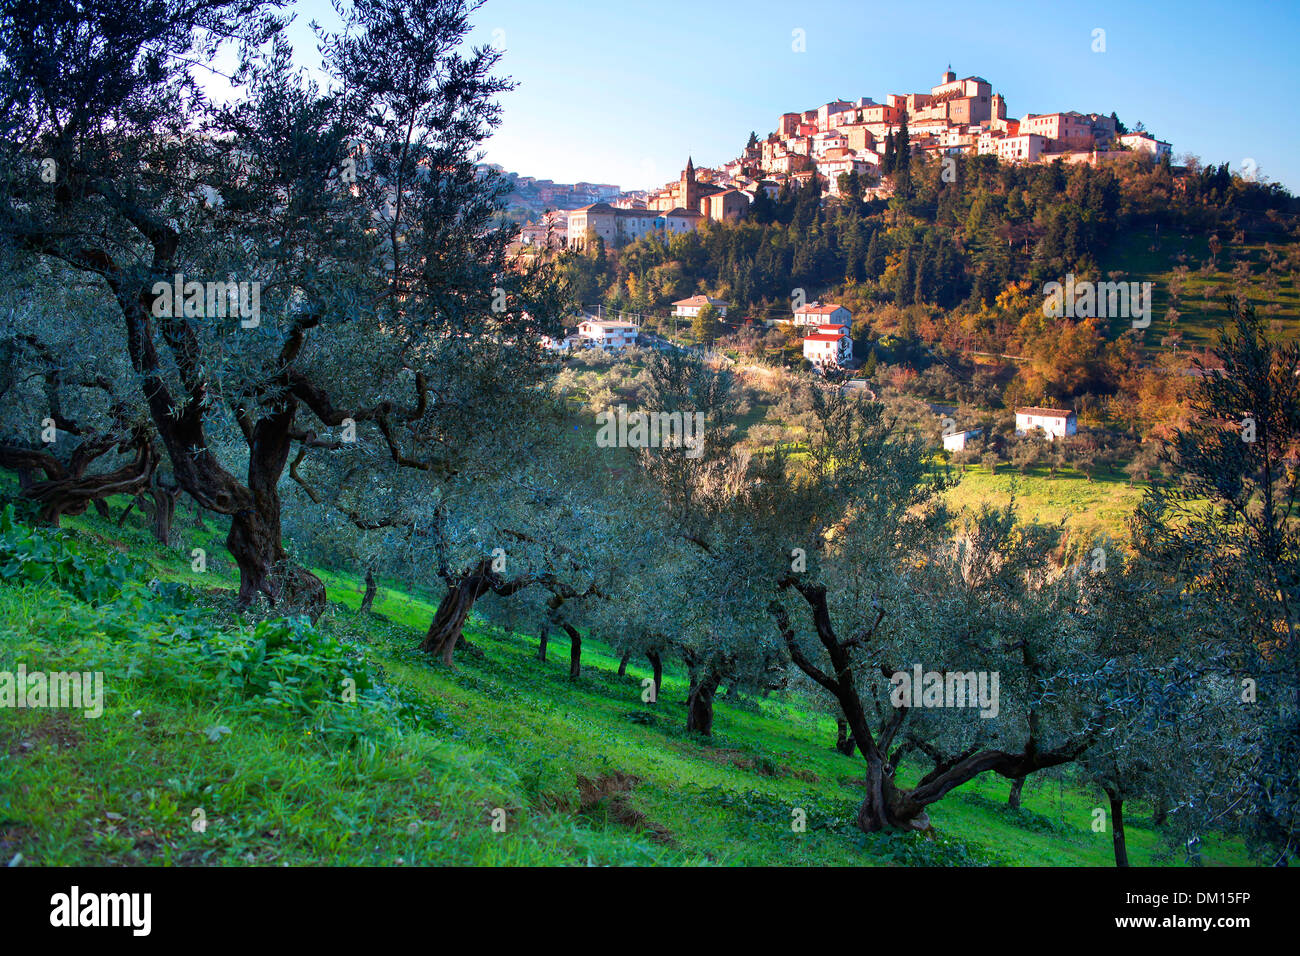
<point>705,325</point>
<point>1226,535</point>
<point>361,238</point>
<point>886,594</point>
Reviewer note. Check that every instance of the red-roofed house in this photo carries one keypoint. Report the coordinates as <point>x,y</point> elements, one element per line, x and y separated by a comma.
<point>828,349</point>
<point>814,313</point>
<point>690,308</point>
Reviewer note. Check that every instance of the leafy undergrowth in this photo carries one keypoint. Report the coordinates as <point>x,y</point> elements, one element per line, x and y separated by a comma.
<point>236,739</point>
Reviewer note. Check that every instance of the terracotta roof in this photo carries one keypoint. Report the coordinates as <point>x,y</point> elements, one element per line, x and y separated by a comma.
<point>1047,412</point>
<point>701,300</point>
<point>823,337</point>
<point>817,309</point>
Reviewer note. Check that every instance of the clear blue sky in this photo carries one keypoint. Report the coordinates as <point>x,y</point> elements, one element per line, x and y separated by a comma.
<point>622,91</point>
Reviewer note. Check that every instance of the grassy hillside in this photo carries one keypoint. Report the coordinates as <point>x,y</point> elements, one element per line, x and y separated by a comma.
<point>1086,508</point>
<point>245,722</point>
<point>1146,255</point>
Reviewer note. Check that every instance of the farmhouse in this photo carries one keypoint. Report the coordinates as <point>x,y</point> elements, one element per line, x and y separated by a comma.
<point>607,335</point>
<point>1055,422</point>
<point>958,440</point>
<point>814,313</point>
<point>690,308</point>
<point>828,347</point>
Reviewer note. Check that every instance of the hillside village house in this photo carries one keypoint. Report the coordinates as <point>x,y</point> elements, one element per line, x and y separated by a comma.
<point>1071,129</point>
<point>690,308</point>
<point>828,347</point>
<point>814,313</point>
<point>726,206</point>
<point>1021,148</point>
<point>685,193</point>
<point>567,343</point>
<point>1055,422</point>
<point>618,226</point>
<point>1145,142</point>
<point>608,335</point>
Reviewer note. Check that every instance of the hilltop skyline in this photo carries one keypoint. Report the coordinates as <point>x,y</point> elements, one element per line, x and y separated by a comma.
<point>703,102</point>
<point>627,97</point>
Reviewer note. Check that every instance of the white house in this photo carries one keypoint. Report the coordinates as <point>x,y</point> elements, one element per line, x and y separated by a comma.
<point>817,314</point>
<point>1055,422</point>
<point>958,441</point>
<point>1146,143</point>
<point>690,308</point>
<point>607,335</point>
<point>830,349</point>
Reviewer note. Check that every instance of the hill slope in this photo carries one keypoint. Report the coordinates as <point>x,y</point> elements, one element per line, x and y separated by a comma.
<point>232,745</point>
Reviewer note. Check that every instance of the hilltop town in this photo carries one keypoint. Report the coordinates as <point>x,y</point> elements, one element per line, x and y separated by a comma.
<point>530,198</point>
<point>855,141</point>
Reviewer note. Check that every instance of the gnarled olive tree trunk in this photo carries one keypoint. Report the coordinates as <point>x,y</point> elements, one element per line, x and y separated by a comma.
<point>886,806</point>
<point>368,600</point>
<point>657,669</point>
<point>1117,826</point>
<point>458,601</point>
<point>68,488</point>
<point>575,650</point>
<point>843,740</point>
<point>164,510</point>
<point>699,702</point>
<point>454,610</point>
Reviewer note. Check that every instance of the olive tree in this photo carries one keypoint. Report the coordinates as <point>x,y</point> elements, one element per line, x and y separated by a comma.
<point>297,268</point>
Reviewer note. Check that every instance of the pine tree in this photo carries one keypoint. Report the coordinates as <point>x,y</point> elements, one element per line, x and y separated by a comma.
<point>705,325</point>
<point>904,279</point>
<point>874,264</point>
<point>920,287</point>
<point>903,160</point>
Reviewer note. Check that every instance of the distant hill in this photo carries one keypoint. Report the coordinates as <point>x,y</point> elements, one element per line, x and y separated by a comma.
<point>531,196</point>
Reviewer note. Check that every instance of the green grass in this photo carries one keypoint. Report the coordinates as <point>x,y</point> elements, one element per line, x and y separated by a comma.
<point>1087,508</point>
<point>414,776</point>
<point>1142,255</point>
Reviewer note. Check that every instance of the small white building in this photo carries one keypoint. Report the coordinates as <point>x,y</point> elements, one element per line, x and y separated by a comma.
<point>1055,422</point>
<point>1146,143</point>
<point>607,335</point>
<point>690,308</point>
<point>959,440</point>
<point>830,349</point>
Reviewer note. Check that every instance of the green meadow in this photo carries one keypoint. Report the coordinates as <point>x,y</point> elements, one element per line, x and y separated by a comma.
<point>229,743</point>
